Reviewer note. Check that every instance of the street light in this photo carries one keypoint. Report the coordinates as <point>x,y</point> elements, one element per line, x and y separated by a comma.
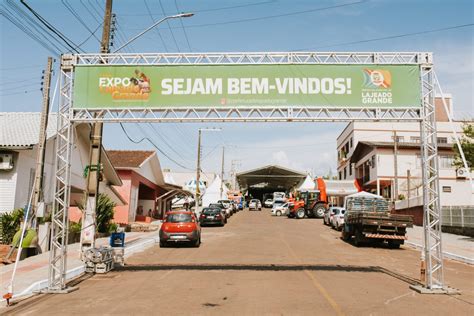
<point>198,167</point>
<point>181,15</point>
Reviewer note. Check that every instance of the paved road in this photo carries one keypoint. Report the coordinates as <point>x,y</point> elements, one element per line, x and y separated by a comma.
<point>258,264</point>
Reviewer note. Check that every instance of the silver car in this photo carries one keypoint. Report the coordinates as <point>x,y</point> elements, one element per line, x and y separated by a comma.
<point>255,204</point>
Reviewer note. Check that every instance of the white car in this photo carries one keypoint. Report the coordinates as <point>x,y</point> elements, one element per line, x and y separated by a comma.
<point>268,203</point>
<point>280,210</point>
<point>337,219</point>
<point>255,205</point>
<point>228,205</point>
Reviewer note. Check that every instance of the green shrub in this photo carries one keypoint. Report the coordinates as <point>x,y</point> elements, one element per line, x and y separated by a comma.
<point>105,213</point>
<point>11,224</point>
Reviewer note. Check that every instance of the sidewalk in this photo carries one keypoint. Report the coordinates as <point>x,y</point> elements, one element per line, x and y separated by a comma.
<point>32,273</point>
<point>456,247</point>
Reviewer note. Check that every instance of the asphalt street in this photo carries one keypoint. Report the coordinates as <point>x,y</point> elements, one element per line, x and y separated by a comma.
<point>263,265</point>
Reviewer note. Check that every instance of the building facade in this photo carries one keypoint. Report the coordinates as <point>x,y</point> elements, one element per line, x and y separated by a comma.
<point>366,152</point>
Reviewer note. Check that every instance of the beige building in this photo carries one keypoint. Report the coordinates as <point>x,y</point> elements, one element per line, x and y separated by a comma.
<point>366,153</point>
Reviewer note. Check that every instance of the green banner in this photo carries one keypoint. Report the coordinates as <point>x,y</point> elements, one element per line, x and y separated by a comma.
<point>388,86</point>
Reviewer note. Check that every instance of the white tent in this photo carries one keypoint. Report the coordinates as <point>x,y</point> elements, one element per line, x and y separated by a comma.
<point>213,192</point>
<point>308,184</point>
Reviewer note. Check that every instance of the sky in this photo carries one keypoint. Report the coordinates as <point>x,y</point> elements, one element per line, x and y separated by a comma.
<point>244,25</point>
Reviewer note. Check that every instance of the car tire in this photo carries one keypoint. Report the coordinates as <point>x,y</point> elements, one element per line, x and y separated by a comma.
<point>197,243</point>
<point>358,238</point>
<point>278,213</point>
<point>345,236</point>
<point>162,244</point>
<point>300,213</point>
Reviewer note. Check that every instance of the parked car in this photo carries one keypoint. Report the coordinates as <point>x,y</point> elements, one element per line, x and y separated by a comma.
<point>327,216</point>
<point>227,204</point>
<point>179,227</point>
<point>226,211</point>
<point>268,203</point>
<point>255,205</point>
<point>338,218</point>
<point>280,209</point>
<point>212,216</point>
<point>277,203</point>
<point>335,210</point>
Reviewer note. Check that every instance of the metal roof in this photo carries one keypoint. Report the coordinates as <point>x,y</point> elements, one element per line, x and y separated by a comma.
<point>270,176</point>
<point>21,129</point>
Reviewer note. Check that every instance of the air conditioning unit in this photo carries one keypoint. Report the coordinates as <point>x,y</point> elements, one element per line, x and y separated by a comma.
<point>6,161</point>
<point>462,173</point>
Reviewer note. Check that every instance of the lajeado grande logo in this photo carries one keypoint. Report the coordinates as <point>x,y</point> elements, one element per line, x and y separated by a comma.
<point>377,87</point>
<point>137,87</point>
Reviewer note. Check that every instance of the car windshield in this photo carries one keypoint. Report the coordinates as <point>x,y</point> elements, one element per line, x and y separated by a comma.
<point>223,201</point>
<point>215,206</point>
<point>179,218</point>
<point>285,205</point>
<point>211,211</point>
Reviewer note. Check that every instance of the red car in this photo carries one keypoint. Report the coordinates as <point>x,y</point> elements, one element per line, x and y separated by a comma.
<point>179,227</point>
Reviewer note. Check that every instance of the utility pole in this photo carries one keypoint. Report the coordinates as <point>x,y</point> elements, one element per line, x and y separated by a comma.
<point>408,187</point>
<point>94,169</point>
<point>222,173</point>
<point>39,170</point>
<point>234,164</point>
<point>395,164</point>
<point>198,175</point>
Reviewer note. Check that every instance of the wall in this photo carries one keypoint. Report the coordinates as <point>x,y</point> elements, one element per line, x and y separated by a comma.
<point>121,214</point>
<point>8,180</point>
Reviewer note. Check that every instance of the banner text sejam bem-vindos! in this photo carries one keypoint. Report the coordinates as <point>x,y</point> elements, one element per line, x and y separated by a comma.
<point>122,87</point>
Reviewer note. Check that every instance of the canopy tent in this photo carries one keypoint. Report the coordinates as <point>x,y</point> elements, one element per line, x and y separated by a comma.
<point>340,187</point>
<point>307,184</point>
<point>213,192</point>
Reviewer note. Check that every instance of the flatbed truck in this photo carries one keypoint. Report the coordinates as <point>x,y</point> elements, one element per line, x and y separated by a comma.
<point>367,219</point>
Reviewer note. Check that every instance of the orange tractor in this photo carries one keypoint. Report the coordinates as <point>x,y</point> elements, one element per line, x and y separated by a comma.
<point>314,202</point>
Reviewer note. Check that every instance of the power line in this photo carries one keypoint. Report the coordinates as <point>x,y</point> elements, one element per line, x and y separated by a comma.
<point>156,29</point>
<point>218,8</point>
<point>90,12</point>
<point>76,15</point>
<point>182,25</point>
<point>21,92</point>
<point>50,27</point>
<point>152,143</point>
<point>28,32</point>
<point>391,36</point>
<point>169,26</point>
<point>274,16</point>
<point>22,67</point>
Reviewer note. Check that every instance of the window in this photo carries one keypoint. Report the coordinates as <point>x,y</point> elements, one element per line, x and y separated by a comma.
<point>373,161</point>
<point>446,161</point>
<point>350,143</point>
<point>340,175</point>
<point>415,139</point>
<point>345,173</point>
<point>179,218</point>
<point>350,169</point>
<point>442,140</point>
<point>447,189</point>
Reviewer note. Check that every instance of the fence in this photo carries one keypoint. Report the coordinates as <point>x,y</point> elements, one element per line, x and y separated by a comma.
<point>458,216</point>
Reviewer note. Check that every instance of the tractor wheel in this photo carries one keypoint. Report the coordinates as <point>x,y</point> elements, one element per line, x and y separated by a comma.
<point>319,210</point>
<point>300,213</point>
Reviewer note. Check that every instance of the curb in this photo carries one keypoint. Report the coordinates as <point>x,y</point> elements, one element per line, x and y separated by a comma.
<point>73,273</point>
<point>446,254</point>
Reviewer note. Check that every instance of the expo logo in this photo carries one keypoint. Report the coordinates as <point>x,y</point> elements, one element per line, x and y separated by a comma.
<point>107,82</point>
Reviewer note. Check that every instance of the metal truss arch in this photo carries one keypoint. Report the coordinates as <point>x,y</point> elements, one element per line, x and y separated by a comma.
<point>424,115</point>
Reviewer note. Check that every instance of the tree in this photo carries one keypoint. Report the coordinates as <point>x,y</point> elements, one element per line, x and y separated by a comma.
<point>467,145</point>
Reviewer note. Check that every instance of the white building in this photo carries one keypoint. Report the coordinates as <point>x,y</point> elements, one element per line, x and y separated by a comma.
<point>366,153</point>
<point>19,140</point>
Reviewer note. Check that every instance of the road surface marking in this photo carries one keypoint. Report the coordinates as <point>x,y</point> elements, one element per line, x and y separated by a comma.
<point>399,297</point>
<point>315,282</point>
